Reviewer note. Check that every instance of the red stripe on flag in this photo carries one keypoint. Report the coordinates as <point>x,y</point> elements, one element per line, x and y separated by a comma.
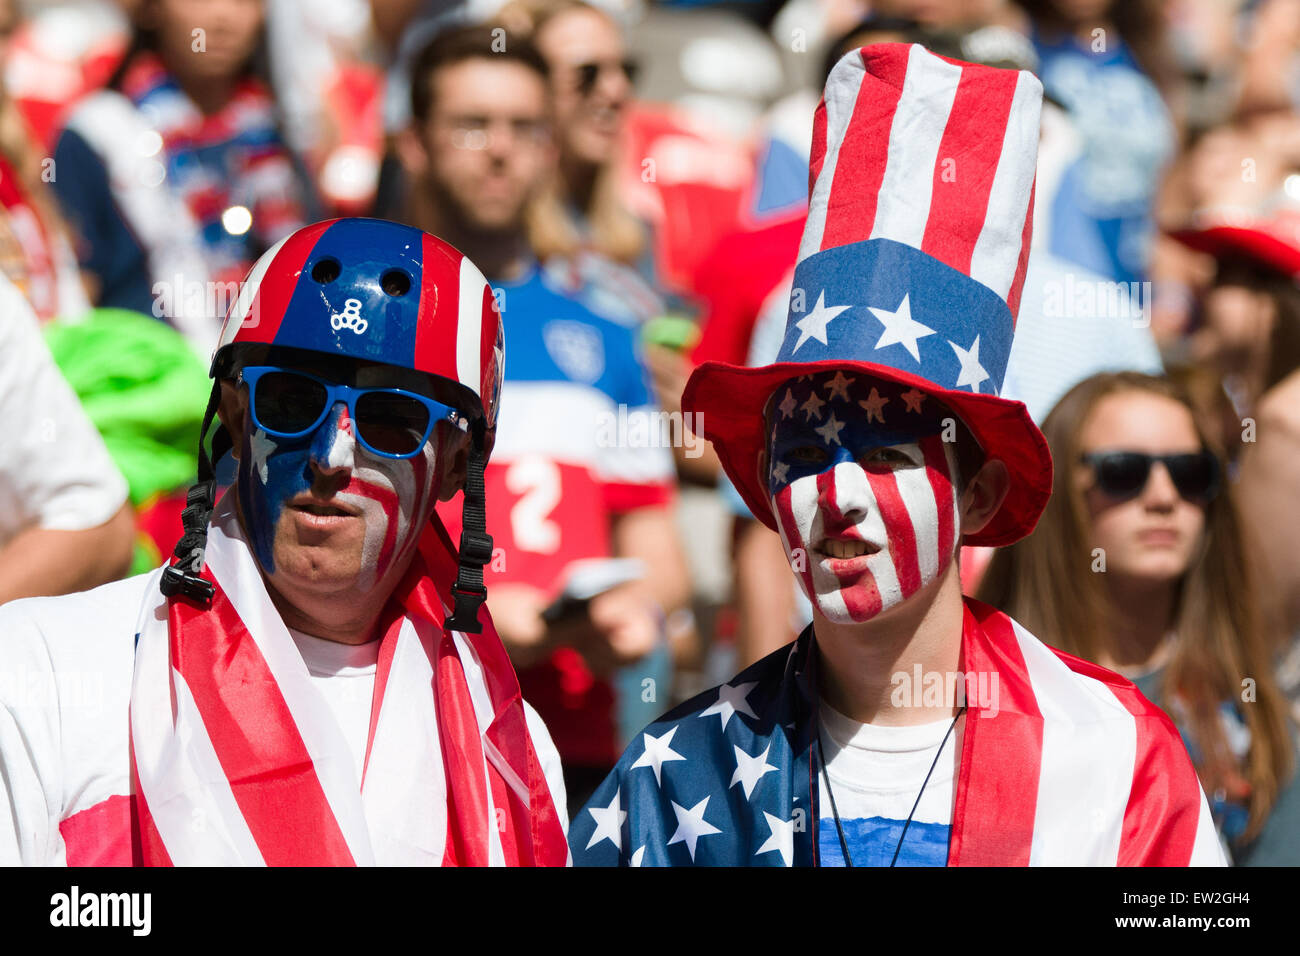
<point>1018,283</point>
<point>146,842</point>
<point>899,527</point>
<point>1001,757</point>
<point>967,161</point>
<point>864,151</point>
<point>266,311</point>
<point>255,738</point>
<point>936,462</point>
<point>462,757</point>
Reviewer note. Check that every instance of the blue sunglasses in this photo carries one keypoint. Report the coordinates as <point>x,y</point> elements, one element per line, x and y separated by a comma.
<point>390,422</point>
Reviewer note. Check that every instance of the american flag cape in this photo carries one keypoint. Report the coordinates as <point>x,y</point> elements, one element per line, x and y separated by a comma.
<point>1073,767</point>
<point>237,760</point>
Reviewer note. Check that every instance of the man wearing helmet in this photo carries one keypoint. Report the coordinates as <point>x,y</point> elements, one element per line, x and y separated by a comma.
<point>314,680</point>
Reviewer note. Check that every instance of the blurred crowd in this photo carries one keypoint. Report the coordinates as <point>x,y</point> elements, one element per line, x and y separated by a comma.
<point>631,176</point>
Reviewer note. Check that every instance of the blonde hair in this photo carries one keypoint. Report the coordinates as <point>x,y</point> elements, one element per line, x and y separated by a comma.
<point>1045,582</point>
<point>553,228</point>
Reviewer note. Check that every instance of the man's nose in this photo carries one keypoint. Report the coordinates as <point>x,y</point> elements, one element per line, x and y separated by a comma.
<point>843,493</point>
<point>335,442</point>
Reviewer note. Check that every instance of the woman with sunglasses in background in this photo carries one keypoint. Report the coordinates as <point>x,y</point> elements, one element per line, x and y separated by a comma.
<point>1138,564</point>
<point>592,80</point>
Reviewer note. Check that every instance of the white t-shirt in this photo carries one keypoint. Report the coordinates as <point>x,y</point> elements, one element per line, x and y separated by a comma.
<point>66,667</point>
<point>54,469</point>
<point>875,775</point>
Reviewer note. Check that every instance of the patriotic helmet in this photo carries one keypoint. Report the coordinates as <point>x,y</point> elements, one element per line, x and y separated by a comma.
<point>376,291</point>
<point>911,264</point>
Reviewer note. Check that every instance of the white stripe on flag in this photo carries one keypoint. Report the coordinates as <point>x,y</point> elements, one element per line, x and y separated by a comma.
<point>189,799</point>
<point>319,729</point>
<point>997,251</point>
<point>469,329</point>
<point>841,96</point>
<point>929,89</point>
<point>395,783</point>
<point>1206,850</point>
<point>1086,768</point>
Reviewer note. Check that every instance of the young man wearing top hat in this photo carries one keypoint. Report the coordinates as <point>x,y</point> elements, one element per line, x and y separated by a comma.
<point>909,725</point>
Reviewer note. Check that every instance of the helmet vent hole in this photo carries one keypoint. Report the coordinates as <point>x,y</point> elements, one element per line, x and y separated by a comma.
<point>326,271</point>
<point>395,282</point>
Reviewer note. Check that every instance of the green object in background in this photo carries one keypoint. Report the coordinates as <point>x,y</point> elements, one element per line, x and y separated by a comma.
<point>145,389</point>
<point>671,331</point>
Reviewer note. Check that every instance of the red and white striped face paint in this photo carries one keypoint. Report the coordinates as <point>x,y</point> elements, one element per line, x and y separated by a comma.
<point>390,494</point>
<point>864,490</point>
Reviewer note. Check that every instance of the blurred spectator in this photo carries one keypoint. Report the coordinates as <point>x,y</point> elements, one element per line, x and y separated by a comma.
<point>1139,564</point>
<point>145,390</point>
<point>330,95</point>
<point>1106,62</point>
<point>592,81</point>
<point>64,523</point>
<point>568,487</point>
<point>175,177</point>
<point>1247,349</point>
<point>34,251</point>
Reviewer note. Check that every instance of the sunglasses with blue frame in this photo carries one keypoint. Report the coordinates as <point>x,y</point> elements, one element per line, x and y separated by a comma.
<point>390,422</point>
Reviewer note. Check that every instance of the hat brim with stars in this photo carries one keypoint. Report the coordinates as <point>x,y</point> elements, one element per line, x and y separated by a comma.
<point>730,400</point>
<point>911,264</point>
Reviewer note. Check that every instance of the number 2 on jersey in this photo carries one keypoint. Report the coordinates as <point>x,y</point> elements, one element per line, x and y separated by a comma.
<point>536,481</point>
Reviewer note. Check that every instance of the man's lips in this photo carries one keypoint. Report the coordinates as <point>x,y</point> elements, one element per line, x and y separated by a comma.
<point>322,509</point>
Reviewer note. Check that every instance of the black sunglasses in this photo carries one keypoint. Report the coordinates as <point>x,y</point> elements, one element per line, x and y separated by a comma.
<point>1123,474</point>
<point>589,73</point>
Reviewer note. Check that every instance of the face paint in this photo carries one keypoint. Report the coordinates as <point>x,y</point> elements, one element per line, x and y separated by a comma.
<point>282,480</point>
<point>862,485</point>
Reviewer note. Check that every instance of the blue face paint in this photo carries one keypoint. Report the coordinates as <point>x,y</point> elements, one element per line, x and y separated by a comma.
<point>832,418</point>
<point>272,471</point>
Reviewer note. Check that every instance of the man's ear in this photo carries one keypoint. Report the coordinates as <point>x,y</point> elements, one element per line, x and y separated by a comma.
<point>232,411</point>
<point>453,475</point>
<point>411,152</point>
<point>984,495</point>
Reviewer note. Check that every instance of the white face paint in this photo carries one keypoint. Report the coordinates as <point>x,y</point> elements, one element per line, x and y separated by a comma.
<point>867,509</point>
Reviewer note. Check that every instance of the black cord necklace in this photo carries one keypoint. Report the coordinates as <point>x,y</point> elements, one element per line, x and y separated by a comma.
<point>839,829</point>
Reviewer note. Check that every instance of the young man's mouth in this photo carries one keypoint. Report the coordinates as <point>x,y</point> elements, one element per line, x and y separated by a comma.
<point>840,549</point>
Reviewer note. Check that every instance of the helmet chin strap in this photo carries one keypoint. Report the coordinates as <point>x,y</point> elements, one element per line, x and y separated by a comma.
<point>475,543</point>
<point>185,576</point>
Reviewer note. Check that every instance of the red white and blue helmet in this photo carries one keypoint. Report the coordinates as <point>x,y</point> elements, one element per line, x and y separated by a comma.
<point>376,291</point>
<point>379,291</point>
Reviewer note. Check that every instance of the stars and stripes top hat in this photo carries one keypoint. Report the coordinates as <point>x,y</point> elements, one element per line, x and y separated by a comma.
<point>911,264</point>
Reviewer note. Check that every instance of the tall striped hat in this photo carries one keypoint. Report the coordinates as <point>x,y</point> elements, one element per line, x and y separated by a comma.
<point>911,265</point>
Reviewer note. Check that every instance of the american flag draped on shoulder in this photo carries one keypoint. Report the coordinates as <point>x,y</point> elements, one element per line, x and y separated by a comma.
<point>1073,766</point>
